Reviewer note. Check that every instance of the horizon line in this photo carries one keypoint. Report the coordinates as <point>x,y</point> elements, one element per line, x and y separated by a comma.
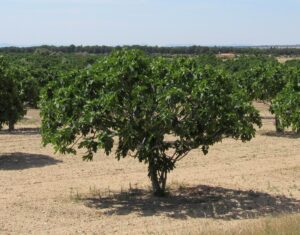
<point>8,45</point>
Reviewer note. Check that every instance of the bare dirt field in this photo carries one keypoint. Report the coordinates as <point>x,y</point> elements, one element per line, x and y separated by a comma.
<point>238,188</point>
<point>283,59</point>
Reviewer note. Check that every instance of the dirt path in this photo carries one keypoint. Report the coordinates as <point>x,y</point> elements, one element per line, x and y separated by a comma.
<point>43,193</point>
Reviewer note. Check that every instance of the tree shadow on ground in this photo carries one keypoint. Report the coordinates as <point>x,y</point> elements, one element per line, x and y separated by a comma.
<point>20,161</point>
<point>195,202</point>
<point>21,131</point>
<point>285,134</point>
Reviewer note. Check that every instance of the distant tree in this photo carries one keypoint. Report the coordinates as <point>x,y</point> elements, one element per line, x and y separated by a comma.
<point>175,50</point>
<point>155,110</point>
<point>11,103</point>
<point>262,77</point>
<point>28,86</point>
<point>286,105</point>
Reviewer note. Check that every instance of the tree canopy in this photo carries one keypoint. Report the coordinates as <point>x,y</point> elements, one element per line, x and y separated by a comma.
<point>11,102</point>
<point>153,109</point>
<point>286,105</point>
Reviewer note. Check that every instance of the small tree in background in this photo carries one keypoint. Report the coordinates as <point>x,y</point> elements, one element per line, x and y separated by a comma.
<point>28,86</point>
<point>286,105</point>
<point>262,78</point>
<point>11,103</point>
<point>153,109</point>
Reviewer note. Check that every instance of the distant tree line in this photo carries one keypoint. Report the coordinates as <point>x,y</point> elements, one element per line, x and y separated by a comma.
<point>183,50</point>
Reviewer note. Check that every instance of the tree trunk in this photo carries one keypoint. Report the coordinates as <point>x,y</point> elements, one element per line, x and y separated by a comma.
<point>158,179</point>
<point>11,126</point>
<point>279,129</point>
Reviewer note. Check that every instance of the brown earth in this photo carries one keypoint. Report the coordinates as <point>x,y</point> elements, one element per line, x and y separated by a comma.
<point>283,59</point>
<point>226,55</point>
<point>236,186</point>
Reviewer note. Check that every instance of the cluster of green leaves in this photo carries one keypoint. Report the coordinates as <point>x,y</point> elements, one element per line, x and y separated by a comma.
<point>293,63</point>
<point>38,68</point>
<point>262,77</point>
<point>11,102</point>
<point>276,84</point>
<point>286,105</point>
<point>137,101</point>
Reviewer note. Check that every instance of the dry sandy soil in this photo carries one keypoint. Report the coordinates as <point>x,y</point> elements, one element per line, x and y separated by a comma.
<point>236,186</point>
<point>283,59</point>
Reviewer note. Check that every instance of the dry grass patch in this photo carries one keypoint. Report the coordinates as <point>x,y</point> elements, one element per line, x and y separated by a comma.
<point>281,225</point>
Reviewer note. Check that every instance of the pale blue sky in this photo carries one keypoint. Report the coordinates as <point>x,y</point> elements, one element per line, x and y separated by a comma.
<point>151,22</point>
